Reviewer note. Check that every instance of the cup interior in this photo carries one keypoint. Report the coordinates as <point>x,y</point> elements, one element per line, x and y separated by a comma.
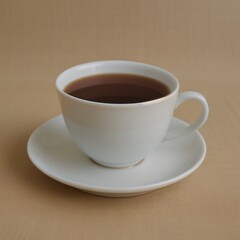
<point>110,67</point>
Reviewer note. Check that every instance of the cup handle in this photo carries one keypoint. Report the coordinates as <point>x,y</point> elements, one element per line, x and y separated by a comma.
<point>183,97</point>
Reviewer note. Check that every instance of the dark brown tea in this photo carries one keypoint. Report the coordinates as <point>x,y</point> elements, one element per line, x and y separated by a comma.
<point>117,88</point>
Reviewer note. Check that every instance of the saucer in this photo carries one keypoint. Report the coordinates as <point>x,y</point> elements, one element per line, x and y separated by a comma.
<point>53,152</point>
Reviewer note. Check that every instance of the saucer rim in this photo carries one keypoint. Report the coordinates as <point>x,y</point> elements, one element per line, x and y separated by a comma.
<point>119,189</point>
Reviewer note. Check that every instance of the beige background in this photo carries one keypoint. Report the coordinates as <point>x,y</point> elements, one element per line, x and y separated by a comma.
<point>198,41</point>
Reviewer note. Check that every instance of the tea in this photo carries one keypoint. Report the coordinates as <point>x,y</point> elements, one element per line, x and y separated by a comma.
<point>117,88</point>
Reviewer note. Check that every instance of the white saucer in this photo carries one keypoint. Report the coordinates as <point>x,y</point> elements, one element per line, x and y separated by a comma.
<point>52,151</point>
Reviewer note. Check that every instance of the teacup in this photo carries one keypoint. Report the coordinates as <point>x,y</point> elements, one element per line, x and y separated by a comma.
<point>121,135</point>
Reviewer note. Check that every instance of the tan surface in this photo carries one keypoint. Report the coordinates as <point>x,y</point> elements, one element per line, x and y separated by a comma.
<point>198,41</point>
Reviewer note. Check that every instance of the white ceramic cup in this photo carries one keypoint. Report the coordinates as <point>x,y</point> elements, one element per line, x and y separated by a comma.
<point>121,135</point>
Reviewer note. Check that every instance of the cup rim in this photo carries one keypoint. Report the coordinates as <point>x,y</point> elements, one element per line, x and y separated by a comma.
<point>115,105</point>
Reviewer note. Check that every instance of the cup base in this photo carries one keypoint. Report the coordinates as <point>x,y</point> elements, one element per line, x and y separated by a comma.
<point>116,167</point>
